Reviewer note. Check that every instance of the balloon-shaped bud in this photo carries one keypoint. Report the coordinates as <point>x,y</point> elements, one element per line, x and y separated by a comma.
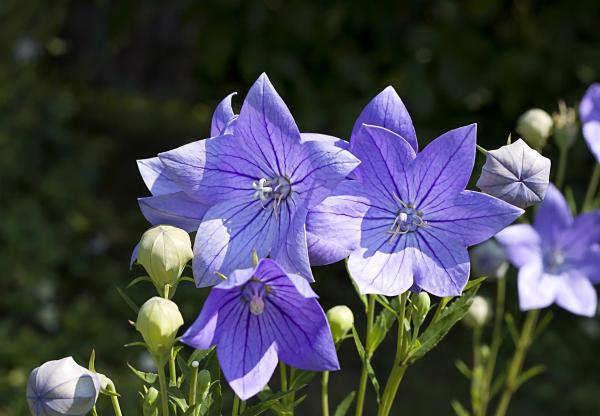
<point>535,126</point>
<point>422,303</point>
<point>516,174</point>
<point>158,321</point>
<point>479,312</point>
<point>340,320</point>
<point>489,259</point>
<point>62,387</point>
<point>164,252</point>
<point>565,126</point>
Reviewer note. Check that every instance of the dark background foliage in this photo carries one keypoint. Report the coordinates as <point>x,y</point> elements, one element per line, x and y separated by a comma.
<point>88,87</point>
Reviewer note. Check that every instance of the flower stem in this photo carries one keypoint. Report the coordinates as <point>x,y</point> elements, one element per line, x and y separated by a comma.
<point>362,387</point>
<point>172,370</point>
<point>115,402</point>
<point>592,188</point>
<point>324,393</point>
<point>516,364</point>
<point>164,396</point>
<point>284,380</point>
<point>236,405</point>
<point>476,377</point>
<point>562,166</point>
<point>94,411</point>
<point>193,386</point>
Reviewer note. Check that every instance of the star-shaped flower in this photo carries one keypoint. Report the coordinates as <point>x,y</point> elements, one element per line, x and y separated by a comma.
<point>258,316</point>
<point>408,214</point>
<point>556,257</point>
<point>249,187</point>
<point>589,113</point>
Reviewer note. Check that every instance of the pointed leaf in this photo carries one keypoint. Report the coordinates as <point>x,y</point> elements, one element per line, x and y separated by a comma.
<point>345,404</point>
<point>149,378</point>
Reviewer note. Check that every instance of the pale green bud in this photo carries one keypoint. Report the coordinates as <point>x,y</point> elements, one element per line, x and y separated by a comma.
<point>340,320</point>
<point>484,351</point>
<point>158,321</point>
<point>164,252</point>
<point>565,126</point>
<point>422,303</point>
<point>535,126</point>
<point>150,402</point>
<point>479,312</point>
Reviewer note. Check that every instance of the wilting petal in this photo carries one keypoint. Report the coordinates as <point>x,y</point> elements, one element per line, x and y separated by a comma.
<point>385,158</point>
<point>247,351</point>
<point>267,127</point>
<point>577,295</point>
<point>441,266</point>
<point>223,117</point>
<point>154,174</point>
<point>214,170</point>
<point>334,226</point>
<point>178,210</point>
<point>576,240</point>
<point>471,217</point>
<point>536,289</point>
<point>591,133</point>
<point>228,234</point>
<point>443,168</point>
<point>387,110</point>
<point>521,243</point>
<point>553,215</point>
<point>515,173</point>
<point>325,138</point>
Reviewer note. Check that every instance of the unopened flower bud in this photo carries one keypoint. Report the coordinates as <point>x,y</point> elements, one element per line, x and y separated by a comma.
<point>164,252</point>
<point>62,387</point>
<point>489,259</point>
<point>422,303</point>
<point>565,126</point>
<point>158,321</point>
<point>150,402</point>
<point>340,320</point>
<point>478,313</point>
<point>535,126</point>
<point>484,351</point>
<point>516,174</point>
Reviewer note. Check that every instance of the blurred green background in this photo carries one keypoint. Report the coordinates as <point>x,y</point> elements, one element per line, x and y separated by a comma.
<point>88,87</point>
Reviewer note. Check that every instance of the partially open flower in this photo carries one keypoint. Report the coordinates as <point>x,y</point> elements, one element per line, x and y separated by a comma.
<point>62,387</point>
<point>479,312</point>
<point>535,126</point>
<point>516,174</point>
<point>488,259</point>
<point>340,320</point>
<point>158,321</point>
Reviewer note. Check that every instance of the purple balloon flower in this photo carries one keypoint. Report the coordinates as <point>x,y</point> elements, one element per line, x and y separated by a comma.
<point>258,316</point>
<point>408,214</point>
<point>589,113</point>
<point>556,257</point>
<point>249,187</point>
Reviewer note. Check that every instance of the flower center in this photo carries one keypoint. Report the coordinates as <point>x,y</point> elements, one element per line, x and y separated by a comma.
<point>554,261</point>
<point>407,220</point>
<point>253,293</point>
<point>273,190</point>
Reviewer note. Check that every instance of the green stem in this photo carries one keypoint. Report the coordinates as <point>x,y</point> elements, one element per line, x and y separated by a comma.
<point>516,364</point>
<point>236,405</point>
<point>94,412</point>
<point>172,370</point>
<point>562,166</point>
<point>399,367</point>
<point>284,380</point>
<point>325,393</point>
<point>193,384</point>
<point>592,188</point>
<point>477,372</point>
<point>164,394</point>
<point>362,387</point>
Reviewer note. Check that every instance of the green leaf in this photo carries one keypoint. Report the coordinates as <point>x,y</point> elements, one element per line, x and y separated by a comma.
<point>267,404</point>
<point>367,362</point>
<point>345,404</point>
<point>447,318</point>
<point>135,344</point>
<point>91,364</point>
<point>463,368</point>
<point>138,280</point>
<point>199,355</point>
<point>302,378</point>
<point>128,301</point>
<point>149,378</point>
<point>459,409</point>
<point>216,404</point>
<point>382,325</point>
<point>176,397</point>
<point>529,374</point>
<point>512,328</point>
<point>544,322</point>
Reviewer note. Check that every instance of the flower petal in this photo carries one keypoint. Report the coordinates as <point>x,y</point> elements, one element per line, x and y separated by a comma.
<point>471,217</point>
<point>553,215</point>
<point>577,295</point>
<point>440,266</point>
<point>227,236</point>
<point>536,289</point>
<point>589,108</point>
<point>443,168</point>
<point>385,158</point>
<point>577,240</point>
<point>223,118</point>
<point>387,110</point>
<point>331,140</point>
<point>154,174</point>
<point>177,209</point>
<point>267,127</point>
<point>591,133</point>
<point>521,243</point>
<point>334,226</point>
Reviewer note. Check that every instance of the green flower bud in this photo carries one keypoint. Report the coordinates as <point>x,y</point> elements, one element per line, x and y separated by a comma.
<point>484,351</point>
<point>479,312</point>
<point>422,303</point>
<point>340,320</point>
<point>565,126</point>
<point>150,402</point>
<point>535,126</point>
<point>158,321</point>
<point>164,252</point>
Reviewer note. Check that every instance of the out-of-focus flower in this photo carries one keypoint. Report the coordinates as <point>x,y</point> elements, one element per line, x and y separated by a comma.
<point>479,312</point>
<point>589,114</point>
<point>164,252</point>
<point>62,387</point>
<point>556,257</point>
<point>258,316</point>
<point>340,320</point>
<point>565,126</point>
<point>488,259</point>
<point>515,173</point>
<point>158,321</point>
<point>535,126</point>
